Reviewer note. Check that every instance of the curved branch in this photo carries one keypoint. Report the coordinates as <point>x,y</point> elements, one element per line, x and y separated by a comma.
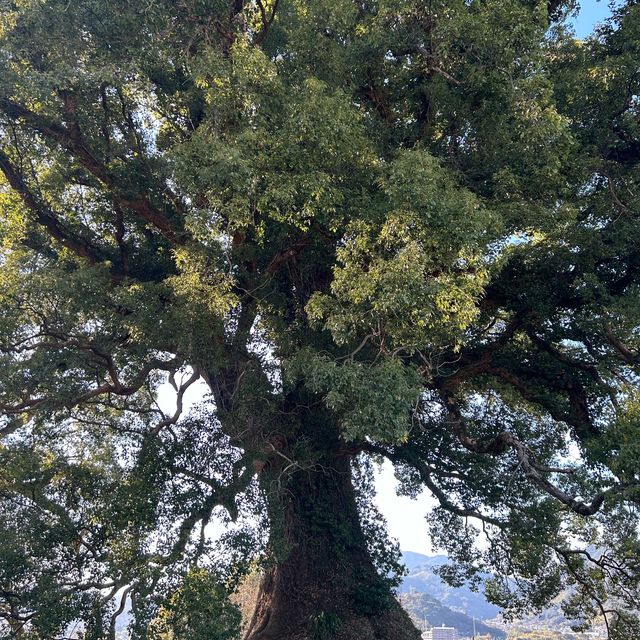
<point>405,456</point>
<point>45,217</point>
<point>118,612</point>
<point>70,138</point>
<point>169,420</point>
<point>505,441</point>
<point>267,21</point>
<point>116,387</point>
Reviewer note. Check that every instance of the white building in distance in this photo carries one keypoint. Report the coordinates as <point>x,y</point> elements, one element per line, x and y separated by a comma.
<point>441,633</point>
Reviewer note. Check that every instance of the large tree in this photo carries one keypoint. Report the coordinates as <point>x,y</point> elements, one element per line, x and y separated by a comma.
<point>375,229</point>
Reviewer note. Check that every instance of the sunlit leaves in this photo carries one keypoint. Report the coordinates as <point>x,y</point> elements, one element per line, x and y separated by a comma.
<point>375,400</point>
<point>415,275</point>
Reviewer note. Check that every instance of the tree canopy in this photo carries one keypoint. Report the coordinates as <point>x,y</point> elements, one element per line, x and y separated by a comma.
<point>374,229</point>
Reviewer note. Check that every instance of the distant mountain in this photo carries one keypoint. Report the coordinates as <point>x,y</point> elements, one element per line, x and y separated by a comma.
<point>414,560</point>
<point>426,597</point>
<point>422,579</point>
<point>424,608</point>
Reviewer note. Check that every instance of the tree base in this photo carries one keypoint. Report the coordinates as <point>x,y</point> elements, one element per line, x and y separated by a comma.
<point>323,585</point>
<point>281,623</point>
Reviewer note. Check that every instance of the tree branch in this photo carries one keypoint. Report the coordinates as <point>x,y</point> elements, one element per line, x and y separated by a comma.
<point>504,441</point>
<point>45,217</point>
<point>405,456</point>
<point>70,138</point>
<point>168,421</point>
<point>628,356</point>
<point>267,21</point>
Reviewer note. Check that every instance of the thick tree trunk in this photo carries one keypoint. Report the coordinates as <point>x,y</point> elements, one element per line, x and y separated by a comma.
<point>323,585</point>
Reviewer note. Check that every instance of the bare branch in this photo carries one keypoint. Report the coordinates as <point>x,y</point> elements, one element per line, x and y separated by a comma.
<point>179,404</point>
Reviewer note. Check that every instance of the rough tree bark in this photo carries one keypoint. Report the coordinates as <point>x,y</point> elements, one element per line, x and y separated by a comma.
<point>323,584</point>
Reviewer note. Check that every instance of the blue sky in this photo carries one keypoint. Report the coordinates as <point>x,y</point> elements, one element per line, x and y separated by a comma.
<point>591,13</point>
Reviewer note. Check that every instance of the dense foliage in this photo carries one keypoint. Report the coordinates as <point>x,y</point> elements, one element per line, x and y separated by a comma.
<point>374,229</point>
